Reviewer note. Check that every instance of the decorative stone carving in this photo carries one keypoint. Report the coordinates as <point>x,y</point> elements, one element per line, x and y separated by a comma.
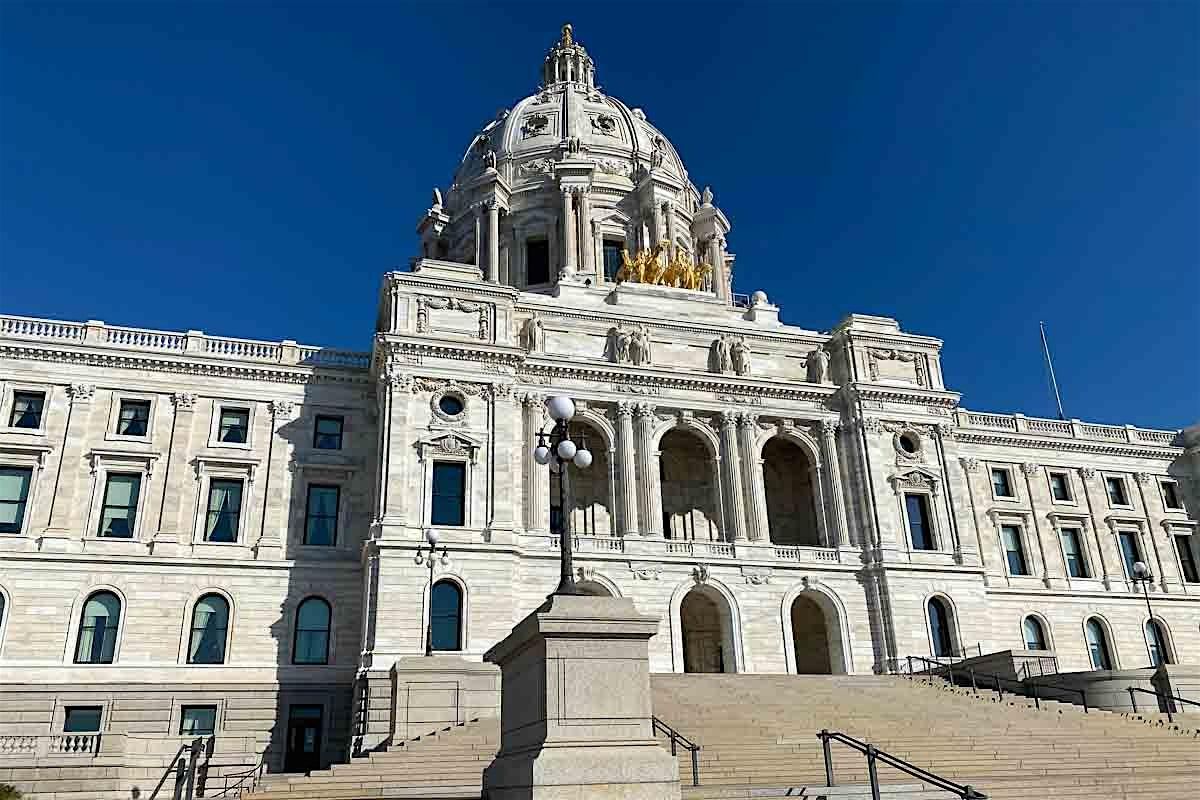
<point>944,431</point>
<point>645,572</point>
<point>915,479</point>
<point>535,124</point>
<point>448,390</point>
<point>706,197</point>
<point>541,166</point>
<point>916,359</point>
<point>970,464</point>
<point>635,388</point>
<point>604,124</point>
<point>533,335</point>
<point>871,425</point>
<point>1029,468</point>
<point>453,304</point>
<point>700,573</point>
<point>722,358</point>
<point>817,366</point>
<point>1087,473</point>
<point>184,401</point>
<point>629,347</point>
<point>81,392</point>
<point>639,346</point>
<point>612,166</point>
<point>659,153</point>
<point>740,352</point>
<point>740,399</point>
<point>281,408</point>
<point>1142,477</point>
<point>756,576</point>
<point>586,572</point>
<point>828,427</point>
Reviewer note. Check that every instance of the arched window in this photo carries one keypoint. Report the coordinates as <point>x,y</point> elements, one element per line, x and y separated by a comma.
<point>98,625</point>
<point>1097,643</point>
<point>445,614</point>
<point>1156,638</point>
<point>210,623</point>
<point>1035,634</point>
<point>311,643</point>
<point>939,628</point>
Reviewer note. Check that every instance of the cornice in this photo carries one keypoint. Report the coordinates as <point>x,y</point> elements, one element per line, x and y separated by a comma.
<point>1071,445</point>
<point>214,369</point>
<point>937,398</point>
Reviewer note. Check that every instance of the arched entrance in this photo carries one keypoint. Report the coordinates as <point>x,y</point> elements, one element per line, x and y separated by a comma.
<point>707,632</point>
<point>589,491</point>
<point>810,638</point>
<point>690,500</point>
<point>791,496</point>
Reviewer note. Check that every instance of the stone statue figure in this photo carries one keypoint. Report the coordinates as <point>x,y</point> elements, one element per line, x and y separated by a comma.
<point>658,154</point>
<point>532,335</point>
<point>722,359</point>
<point>618,345</point>
<point>489,159</point>
<point>437,199</point>
<point>818,366</point>
<point>639,346</point>
<point>706,197</point>
<point>741,356</point>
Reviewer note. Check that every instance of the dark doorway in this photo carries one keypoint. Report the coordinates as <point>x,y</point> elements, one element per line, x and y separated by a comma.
<point>303,739</point>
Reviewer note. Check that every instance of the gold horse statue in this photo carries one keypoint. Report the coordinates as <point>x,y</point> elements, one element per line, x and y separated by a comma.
<point>648,266</point>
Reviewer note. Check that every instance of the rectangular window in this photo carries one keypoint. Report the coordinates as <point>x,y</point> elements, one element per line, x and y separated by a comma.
<point>1073,549</point>
<point>1013,551</point>
<point>327,435</point>
<point>234,425</point>
<point>82,719</point>
<point>449,493</point>
<point>1001,482</point>
<point>198,721</point>
<point>1130,552</point>
<point>612,258</point>
<point>224,511</point>
<point>1170,491</point>
<point>537,261</point>
<point>134,418</point>
<point>320,516</point>
<point>1060,486</point>
<point>120,506</point>
<point>27,410</point>
<point>919,528</point>
<point>1116,491</point>
<point>14,492</point>
<point>1187,559</point>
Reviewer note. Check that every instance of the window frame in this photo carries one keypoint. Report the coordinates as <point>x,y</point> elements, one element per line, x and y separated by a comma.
<point>1124,484</point>
<point>328,632</point>
<point>26,505</point>
<point>337,514</point>
<point>433,493</point>
<point>77,626</point>
<point>9,402</point>
<point>951,621</point>
<point>1022,550</point>
<point>525,243</point>
<point>1070,500</point>
<point>190,629</point>
<point>1139,555</point>
<point>117,400</point>
<point>461,616</point>
<point>119,462</point>
<point>1084,562</point>
<point>925,499</point>
<point>1163,483</point>
<point>1168,649</point>
<point>210,468</point>
<point>605,239</point>
<point>1107,639</point>
<point>206,510</point>
<point>1186,541</point>
<point>1043,626</point>
<point>341,434</point>
<point>66,716</point>
<point>1011,484</point>
<point>219,408</point>
<point>185,707</point>
<point>104,506</point>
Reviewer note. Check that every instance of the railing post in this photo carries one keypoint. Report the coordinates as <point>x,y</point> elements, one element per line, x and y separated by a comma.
<point>950,670</point>
<point>910,672</point>
<point>673,742</point>
<point>1132,699</point>
<point>189,787</point>
<point>1037,703</point>
<point>695,766</point>
<point>1083,694</point>
<point>871,772</point>
<point>824,736</point>
<point>180,777</point>
<point>974,688</point>
<point>999,688</point>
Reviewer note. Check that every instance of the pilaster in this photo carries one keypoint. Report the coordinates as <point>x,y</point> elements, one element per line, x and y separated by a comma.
<point>68,509</point>
<point>627,506</point>
<point>507,457</point>
<point>177,483</point>
<point>569,262</point>
<point>648,482</point>
<point>272,538</point>
<point>752,479</point>
<point>735,498</point>
<point>1106,541</point>
<point>537,477</point>
<point>833,472</point>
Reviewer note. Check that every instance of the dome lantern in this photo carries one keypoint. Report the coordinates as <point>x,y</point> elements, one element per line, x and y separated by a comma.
<point>568,62</point>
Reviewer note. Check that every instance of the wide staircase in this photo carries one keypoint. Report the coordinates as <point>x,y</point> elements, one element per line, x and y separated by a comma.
<point>758,739</point>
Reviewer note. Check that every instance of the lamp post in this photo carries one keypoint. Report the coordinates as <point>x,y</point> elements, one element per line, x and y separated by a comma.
<point>429,560</point>
<point>556,447</point>
<point>1143,575</point>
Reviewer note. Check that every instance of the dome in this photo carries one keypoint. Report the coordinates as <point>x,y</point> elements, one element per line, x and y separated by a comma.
<point>571,184</point>
<point>569,109</point>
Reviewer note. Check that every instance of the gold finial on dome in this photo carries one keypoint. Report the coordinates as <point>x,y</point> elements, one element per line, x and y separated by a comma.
<point>567,38</point>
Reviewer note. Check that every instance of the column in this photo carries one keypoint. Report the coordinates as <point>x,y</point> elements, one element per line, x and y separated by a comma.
<point>586,244</point>
<point>568,226</point>
<point>276,502</point>
<point>833,472</point>
<point>669,211</point>
<point>752,479</point>
<point>478,235</point>
<point>627,508</point>
<point>493,225</point>
<point>68,511</point>
<point>735,499</point>
<point>717,258</point>
<point>537,477</point>
<point>178,481</point>
<point>648,483</point>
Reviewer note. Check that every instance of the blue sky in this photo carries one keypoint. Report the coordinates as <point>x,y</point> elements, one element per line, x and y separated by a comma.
<point>968,168</point>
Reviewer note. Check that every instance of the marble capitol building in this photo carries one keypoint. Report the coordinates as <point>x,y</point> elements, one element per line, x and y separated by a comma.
<point>204,535</point>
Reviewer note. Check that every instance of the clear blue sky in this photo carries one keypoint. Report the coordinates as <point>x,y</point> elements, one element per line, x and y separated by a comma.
<point>969,168</point>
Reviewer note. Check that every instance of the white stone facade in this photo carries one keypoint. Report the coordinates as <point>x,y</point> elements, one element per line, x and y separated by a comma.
<point>749,485</point>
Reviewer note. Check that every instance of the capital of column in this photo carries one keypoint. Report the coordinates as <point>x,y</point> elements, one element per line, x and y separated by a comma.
<point>531,399</point>
<point>644,411</point>
<point>747,419</point>
<point>184,401</point>
<point>625,409</point>
<point>729,419</point>
<point>81,392</point>
<point>281,409</point>
<point>829,428</point>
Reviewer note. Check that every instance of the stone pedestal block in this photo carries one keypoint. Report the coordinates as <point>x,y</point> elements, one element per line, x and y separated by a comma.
<point>434,692</point>
<point>576,717</point>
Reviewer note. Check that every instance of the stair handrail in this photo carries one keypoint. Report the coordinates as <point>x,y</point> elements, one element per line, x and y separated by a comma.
<point>1160,696</point>
<point>240,786</point>
<point>677,737</point>
<point>1032,689</point>
<point>185,771</point>
<point>873,754</point>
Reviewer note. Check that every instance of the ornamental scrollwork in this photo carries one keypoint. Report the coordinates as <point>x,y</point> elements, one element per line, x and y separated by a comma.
<point>184,401</point>
<point>700,573</point>
<point>453,304</point>
<point>81,392</point>
<point>874,356</point>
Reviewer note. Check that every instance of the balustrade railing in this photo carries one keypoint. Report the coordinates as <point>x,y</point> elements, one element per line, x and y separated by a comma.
<point>1072,429</point>
<point>60,744</point>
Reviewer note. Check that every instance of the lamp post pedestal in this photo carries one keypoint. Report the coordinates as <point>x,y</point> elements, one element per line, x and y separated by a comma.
<point>576,716</point>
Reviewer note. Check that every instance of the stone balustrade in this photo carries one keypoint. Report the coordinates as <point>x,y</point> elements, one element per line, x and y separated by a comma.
<point>1066,429</point>
<point>62,744</point>
<point>653,547</point>
<point>191,343</point>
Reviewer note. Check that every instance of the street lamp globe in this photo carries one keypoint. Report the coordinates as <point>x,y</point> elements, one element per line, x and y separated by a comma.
<point>431,536</point>
<point>541,454</point>
<point>583,458</point>
<point>561,408</point>
<point>566,449</point>
<point>1141,570</point>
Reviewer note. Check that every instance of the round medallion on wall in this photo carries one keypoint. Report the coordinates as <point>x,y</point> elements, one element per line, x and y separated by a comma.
<point>908,444</point>
<point>449,405</point>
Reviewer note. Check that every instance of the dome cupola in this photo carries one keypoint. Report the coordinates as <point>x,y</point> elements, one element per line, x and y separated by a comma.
<point>568,62</point>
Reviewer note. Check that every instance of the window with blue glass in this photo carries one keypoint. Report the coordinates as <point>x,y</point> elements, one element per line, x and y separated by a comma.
<point>1097,642</point>
<point>27,410</point>
<point>939,628</point>
<point>234,425</point>
<point>1187,558</point>
<point>210,624</point>
<point>1014,551</point>
<point>327,433</point>
<point>98,625</point>
<point>1130,552</point>
<point>82,719</point>
<point>1073,550</point>
<point>919,527</point>
<point>1035,634</point>
<point>320,518</point>
<point>1002,482</point>
<point>445,610</point>
<point>612,258</point>
<point>1117,495</point>
<point>1156,637</point>
<point>14,493</point>
<point>449,493</point>
<point>224,511</point>
<point>119,511</point>
<point>311,642</point>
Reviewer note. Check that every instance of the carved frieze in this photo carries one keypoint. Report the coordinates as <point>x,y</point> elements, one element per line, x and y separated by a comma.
<point>625,346</point>
<point>876,356</point>
<point>425,304</point>
<point>540,166</point>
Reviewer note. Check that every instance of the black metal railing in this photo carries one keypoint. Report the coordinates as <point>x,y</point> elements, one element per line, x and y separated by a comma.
<point>679,740</point>
<point>1164,707</point>
<point>875,755</point>
<point>236,784</point>
<point>184,770</point>
<point>1046,665</point>
<point>998,683</point>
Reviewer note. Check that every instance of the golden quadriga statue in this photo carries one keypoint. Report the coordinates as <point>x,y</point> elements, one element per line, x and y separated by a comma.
<point>648,266</point>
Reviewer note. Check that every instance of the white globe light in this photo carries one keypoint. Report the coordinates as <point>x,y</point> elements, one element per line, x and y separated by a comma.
<point>431,536</point>
<point>420,559</point>
<point>1140,569</point>
<point>566,449</point>
<point>561,407</point>
<point>541,454</point>
<point>445,559</point>
<point>583,459</point>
